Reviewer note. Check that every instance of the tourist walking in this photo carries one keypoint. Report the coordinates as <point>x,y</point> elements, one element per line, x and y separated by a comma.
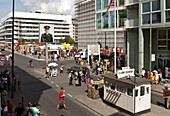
<point>19,111</point>
<point>10,108</point>
<point>19,84</point>
<point>28,113</point>
<point>70,77</point>
<point>61,99</point>
<point>61,69</point>
<point>166,95</point>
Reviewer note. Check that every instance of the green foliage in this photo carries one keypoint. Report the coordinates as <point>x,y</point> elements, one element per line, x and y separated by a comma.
<point>61,40</point>
<point>67,39</point>
<point>36,41</point>
<point>22,40</point>
<point>31,41</point>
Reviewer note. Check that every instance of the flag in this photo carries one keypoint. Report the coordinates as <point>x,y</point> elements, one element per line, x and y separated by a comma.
<point>112,3</point>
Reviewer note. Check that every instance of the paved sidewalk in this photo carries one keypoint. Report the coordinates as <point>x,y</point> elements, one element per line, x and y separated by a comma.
<point>103,109</point>
<point>35,57</point>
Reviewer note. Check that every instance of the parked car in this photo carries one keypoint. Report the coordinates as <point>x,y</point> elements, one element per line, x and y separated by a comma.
<point>2,57</point>
<point>77,68</point>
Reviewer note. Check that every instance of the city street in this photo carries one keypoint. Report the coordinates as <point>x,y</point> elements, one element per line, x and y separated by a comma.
<point>36,88</point>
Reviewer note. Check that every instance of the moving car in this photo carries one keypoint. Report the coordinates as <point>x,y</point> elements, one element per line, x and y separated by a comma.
<point>77,68</point>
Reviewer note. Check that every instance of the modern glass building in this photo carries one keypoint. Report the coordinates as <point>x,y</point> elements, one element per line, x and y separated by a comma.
<point>27,26</point>
<point>105,24</point>
<point>138,33</point>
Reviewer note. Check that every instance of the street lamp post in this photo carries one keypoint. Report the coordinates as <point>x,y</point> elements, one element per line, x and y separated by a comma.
<point>115,37</point>
<point>12,84</point>
<point>150,66</point>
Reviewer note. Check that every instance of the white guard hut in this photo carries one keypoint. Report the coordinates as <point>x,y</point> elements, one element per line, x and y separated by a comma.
<point>127,91</point>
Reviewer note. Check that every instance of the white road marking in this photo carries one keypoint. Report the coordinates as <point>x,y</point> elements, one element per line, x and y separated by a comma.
<point>56,85</point>
<point>70,95</point>
<point>48,79</point>
<point>52,82</point>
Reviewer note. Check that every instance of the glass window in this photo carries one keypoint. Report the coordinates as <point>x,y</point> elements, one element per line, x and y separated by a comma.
<point>167,4</point>
<point>119,88</point>
<point>147,90</point>
<point>98,4</point>
<point>136,92</point>
<point>169,45</point>
<point>122,16</point>
<point>162,34</point>
<point>98,21</point>
<point>105,21</point>
<point>169,34</point>
<point>142,91</point>
<point>161,48</point>
<point>162,43</point>
<point>146,7</point>
<point>156,17</point>
<point>167,16</point>
<point>121,2</point>
<point>156,5</point>
<point>105,4</point>
<point>130,92</point>
<point>146,18</point>
<point>112,19</point>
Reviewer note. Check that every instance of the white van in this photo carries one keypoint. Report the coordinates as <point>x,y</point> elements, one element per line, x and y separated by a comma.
<point>83,55</point>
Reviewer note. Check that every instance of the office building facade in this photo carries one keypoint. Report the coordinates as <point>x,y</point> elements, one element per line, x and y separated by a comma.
<point>27,26</point>
<point>138,33</point>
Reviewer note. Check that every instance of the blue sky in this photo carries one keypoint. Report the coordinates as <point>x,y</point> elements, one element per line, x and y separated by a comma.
<point>6,7</point>
<point>47,6</point>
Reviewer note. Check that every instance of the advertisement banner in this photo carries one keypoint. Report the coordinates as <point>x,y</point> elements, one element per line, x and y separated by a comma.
<point>46,33</point>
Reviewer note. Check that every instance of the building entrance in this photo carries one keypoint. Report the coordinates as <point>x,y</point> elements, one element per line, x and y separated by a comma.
<point>163,62</point>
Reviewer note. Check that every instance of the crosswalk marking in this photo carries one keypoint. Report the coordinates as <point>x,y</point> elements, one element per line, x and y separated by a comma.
<point>70,95</point>
<point>52,82</point>
<point>56,85</point>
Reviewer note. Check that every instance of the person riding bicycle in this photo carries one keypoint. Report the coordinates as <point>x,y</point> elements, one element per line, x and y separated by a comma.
<point>30,62</point>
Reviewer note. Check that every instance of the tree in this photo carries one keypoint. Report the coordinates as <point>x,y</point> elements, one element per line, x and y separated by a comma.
<point>67,39</point>
<point>31,41</point>
<point>22,40</point>
<point>61,40</point>
<point>36,41</point>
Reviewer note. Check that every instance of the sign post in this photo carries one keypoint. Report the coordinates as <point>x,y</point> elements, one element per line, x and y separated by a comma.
<point>93,49</point>
<point>46,54</point>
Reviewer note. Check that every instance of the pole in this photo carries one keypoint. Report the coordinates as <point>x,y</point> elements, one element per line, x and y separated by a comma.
<point>46,54</point>
<point>150,66</point>
<point>105,43</point>
<point>115,38</point>
<point>12,84</point>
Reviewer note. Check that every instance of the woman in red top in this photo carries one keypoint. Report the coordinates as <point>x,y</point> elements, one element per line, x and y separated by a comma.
<point>19,84</point>
<point>61,99</point>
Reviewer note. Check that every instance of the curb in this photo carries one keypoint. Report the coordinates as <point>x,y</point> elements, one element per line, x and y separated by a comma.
<point>89,107</point>
<point>156,91</point>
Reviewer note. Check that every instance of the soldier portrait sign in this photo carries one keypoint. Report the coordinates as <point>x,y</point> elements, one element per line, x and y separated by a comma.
<point>46,33</point>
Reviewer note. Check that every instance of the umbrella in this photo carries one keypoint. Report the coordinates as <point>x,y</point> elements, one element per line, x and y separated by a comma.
<point>53,64</point>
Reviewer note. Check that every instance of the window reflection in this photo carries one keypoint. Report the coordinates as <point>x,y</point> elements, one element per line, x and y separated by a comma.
<point>98,21</point>
<point>167,16</point>
<point>146,7</point>
<point>105,4</point>
<point>167,4</point>
<point>156,5</point>
<point>156,17</point>
<point>112,19</point>
<point>98,4</point>
<point>105,21</point>
<point>146,18</point>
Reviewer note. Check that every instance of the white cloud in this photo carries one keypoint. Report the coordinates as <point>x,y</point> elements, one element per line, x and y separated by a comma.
<point>51,6</point>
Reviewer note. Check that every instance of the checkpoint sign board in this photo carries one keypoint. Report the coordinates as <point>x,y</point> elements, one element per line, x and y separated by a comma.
<point>126,72</point>
<point>46,33</point>
<point>94,49</point>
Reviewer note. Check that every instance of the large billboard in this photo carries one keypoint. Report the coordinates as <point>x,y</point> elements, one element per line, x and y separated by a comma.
<point>46,33</point>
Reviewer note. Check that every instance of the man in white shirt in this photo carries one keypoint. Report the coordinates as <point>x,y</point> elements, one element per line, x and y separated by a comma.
<point>143,72</point>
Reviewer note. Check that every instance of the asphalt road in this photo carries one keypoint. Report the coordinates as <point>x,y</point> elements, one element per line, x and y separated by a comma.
<point>46,91</point>
<point>36,88</point>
